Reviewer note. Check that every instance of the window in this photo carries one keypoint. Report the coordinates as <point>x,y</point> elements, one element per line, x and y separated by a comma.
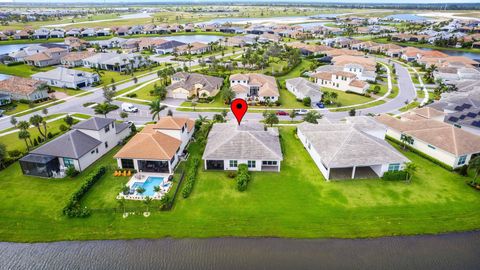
<point>431,146</point>
<point>462,160</point>
<point>106,144</point>
<point>269,162</point>
<point>127,164</point>
<point>107,128</point>
<point>251,164</point>
<point>395,167</point>
<point>68,162</point>
<point>96,150</point>
<point>233,163</point>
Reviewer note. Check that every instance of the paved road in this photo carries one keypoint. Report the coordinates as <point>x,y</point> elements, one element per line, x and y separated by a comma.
<point>407,92</point>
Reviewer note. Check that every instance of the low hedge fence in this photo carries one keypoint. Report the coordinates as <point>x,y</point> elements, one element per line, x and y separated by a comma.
<point>190,178</point>
<point>73,207</point>
<point>243,177</point>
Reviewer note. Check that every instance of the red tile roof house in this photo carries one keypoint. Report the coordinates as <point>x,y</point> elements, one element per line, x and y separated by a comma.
<point>19,88</point>
<point>46,58</point>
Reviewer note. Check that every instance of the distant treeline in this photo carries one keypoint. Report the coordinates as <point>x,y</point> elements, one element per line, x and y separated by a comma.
<point>111,3</point>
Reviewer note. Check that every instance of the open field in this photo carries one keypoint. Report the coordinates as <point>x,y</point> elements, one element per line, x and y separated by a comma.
<point>274,205</point>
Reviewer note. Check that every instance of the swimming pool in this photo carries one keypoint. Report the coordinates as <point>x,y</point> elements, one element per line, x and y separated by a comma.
<point>149,185</point>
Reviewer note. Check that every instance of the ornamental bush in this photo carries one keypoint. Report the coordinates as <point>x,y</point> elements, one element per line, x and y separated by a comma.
<point>395,176</point>
<point>190,177</point>
<point>243,177</point>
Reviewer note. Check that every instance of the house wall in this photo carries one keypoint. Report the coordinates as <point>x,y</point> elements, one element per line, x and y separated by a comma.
<point>437,153</point>
<point>315,156</point>
<point>294,90</point>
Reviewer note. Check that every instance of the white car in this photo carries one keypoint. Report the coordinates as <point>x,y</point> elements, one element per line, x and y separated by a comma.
<point>301,112</point>
<point>128,107</point>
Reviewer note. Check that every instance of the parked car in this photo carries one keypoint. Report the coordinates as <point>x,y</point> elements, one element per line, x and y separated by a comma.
<point>320,105</point>
<point>282,113</point>
<point>301,112</point>
<point>128,107</point>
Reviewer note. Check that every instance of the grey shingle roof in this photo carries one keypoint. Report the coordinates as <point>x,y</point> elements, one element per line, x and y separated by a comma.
<point>248,141</point>
<point>94,123</point>
<point>342,145</point>
<point>119,127</point>
<point>73,144</point>
<point>306,87</point>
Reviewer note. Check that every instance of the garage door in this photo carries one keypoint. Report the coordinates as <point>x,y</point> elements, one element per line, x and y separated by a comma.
<point>180,95</point>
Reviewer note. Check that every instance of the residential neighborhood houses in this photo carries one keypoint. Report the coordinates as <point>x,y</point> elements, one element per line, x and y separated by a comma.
<point>67,78</point>
<point>254,87</point>
<point>185,85</point>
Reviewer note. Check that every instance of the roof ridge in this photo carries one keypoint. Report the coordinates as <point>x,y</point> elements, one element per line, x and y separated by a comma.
<point>72,142</point>
<point>268,148</point>
<point>157,143</point>
<point>343,143</point>
<point>454,138</point>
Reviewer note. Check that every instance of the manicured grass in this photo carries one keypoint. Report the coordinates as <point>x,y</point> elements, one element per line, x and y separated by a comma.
<point>17,107</point>
<point>418,45</point>
<point>373,104</point>
<point>409,106</point>
<point>296,202</point>
<point>12,142</point>
<point>347,99</point>
<point>22,70</point>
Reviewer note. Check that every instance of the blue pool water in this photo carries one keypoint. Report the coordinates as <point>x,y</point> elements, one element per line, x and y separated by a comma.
<point>149,184</point>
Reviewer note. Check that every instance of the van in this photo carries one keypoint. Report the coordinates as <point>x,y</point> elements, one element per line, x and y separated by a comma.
<point>128,107</point>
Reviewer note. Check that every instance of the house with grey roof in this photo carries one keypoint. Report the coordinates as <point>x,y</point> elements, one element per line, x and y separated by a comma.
<point>347,150</point>
<point>79,148</point>
<point>303,88</point>
<point>230,145</point>
<point>67,78</point>
<point>114,61</point>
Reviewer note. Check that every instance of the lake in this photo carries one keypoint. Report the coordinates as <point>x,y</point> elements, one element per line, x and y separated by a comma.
<point>283,20</point>
<point>407,17</point>
<point>450,251</point>
<point>193,38</point>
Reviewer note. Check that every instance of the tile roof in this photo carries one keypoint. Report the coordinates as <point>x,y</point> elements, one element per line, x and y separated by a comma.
<point>170,122</point>
<point>24,86</point>
<point>248,141</point>
<point>189,80</point>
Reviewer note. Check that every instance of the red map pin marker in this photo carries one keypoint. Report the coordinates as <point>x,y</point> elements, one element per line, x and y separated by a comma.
<point>239,107</point>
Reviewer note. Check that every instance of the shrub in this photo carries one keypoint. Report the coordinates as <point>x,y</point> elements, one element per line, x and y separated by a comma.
<point>190,178</point>
<point>307,101</point>
<point>231,174</point>
<point>15,153</point>
<point>63,128</point>
<point>243,177</point>
<point>132,95</point>
<point>463,171</point>
<point>73,207</point>
<point>395,176</point>
<point>71,171</point>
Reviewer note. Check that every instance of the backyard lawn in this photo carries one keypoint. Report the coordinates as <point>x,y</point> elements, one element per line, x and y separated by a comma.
<point>296,202</point>
<point>22,70</point>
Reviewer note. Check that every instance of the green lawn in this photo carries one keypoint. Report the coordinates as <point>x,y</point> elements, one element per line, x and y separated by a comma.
<point>14,143</point>
<point>16,107</point>
<point>347,99</point>
<point>409,106</point>
<point>296,202</point>
<point>22,70</point>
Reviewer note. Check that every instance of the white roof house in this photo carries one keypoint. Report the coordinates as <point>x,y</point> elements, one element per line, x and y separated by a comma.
<point>344,151</point>
<point>67,78</point>
<point>230,144</point>
<point>303,88</point>
<point>114,61</point>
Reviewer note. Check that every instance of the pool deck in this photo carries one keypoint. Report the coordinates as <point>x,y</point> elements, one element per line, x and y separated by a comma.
<point>142,177</point>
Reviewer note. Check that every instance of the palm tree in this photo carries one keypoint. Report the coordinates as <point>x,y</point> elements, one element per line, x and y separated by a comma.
<point>202,119</point>
<point>194,104</point>
<point>13,121</point>
<point>410,168</point>
<point>406,139</point>
<point>24,135</point>
<point>155,108</point>
<point>147,201</point>
<point>36,121</point>
<point>312,117</point>
<point>475,166</point>
<point>270,118</point>
<point>156,188</point>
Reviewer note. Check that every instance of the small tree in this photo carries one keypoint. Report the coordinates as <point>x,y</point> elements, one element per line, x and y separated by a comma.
<point>124,115</point>
<point>24,135</point>
<point>194,104</point>
<point>475,166</point>
<point>140,190</point>
<point>69,120</point>
<point>37,121</point>
<point>147,202</point>
<point>292,115</point>
<point>103,109</point>
<point>312,117</point>
<point>156,107</point>
<point>307,101</point>
<point>270,118</point>
<point>13,121</point>
<point>410,169</point>
<point>352,112</point>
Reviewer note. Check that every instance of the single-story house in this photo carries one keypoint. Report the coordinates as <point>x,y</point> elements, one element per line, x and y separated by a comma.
<point>48,57</point>
<point>67,78</point>
<point>79,148</point>
<point>75,59</point>
<point>114,61</point>
<point>193,48</point>
<point>157,148</point>
<point>230,145</point>
<point>186,85</point>
<point>448,144</point>
<point>303,88</point>
<point>19,88</point>
<point>167,47</point>
<point>347,151</point>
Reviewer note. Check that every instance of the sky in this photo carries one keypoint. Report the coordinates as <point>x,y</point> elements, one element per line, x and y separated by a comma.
<point>258,1</point>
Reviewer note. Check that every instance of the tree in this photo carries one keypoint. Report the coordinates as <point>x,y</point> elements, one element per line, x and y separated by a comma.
<point>140,190</point>
<point>194,104</point>
<point>3,155</point>
<point>13,121</point>
<point>475,166</point>
<point>227,95</point>
<point>270,118</point>
<point>292,115</point>
<point>37,121</point>
<point>24,135</point>
<point>147,202</point>
<point>135,80</point>
<point>410,169</point>
<point>352,112</point>
<point>312,117</point>
<point>155,108</point>
<point>69,120</point>
<point>108,94</point>
<point>307,101</point>
<point>103,109</point>
<point>124,115</point>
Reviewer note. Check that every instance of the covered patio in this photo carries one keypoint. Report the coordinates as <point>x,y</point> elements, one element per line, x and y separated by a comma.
<point>361,172</point>
<point>40,165</point>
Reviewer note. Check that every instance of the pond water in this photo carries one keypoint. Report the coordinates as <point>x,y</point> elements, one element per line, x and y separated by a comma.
<point>285,20</point>
<point>194,38</point>
<point>407,17</point>
<point>451,251</point>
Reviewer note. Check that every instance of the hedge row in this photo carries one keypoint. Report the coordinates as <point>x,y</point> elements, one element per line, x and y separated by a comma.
<point>395,176</point>
<point>73,208</point>
<point>190,178</point>
<point>243,177</point>
<point>436,161</point>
